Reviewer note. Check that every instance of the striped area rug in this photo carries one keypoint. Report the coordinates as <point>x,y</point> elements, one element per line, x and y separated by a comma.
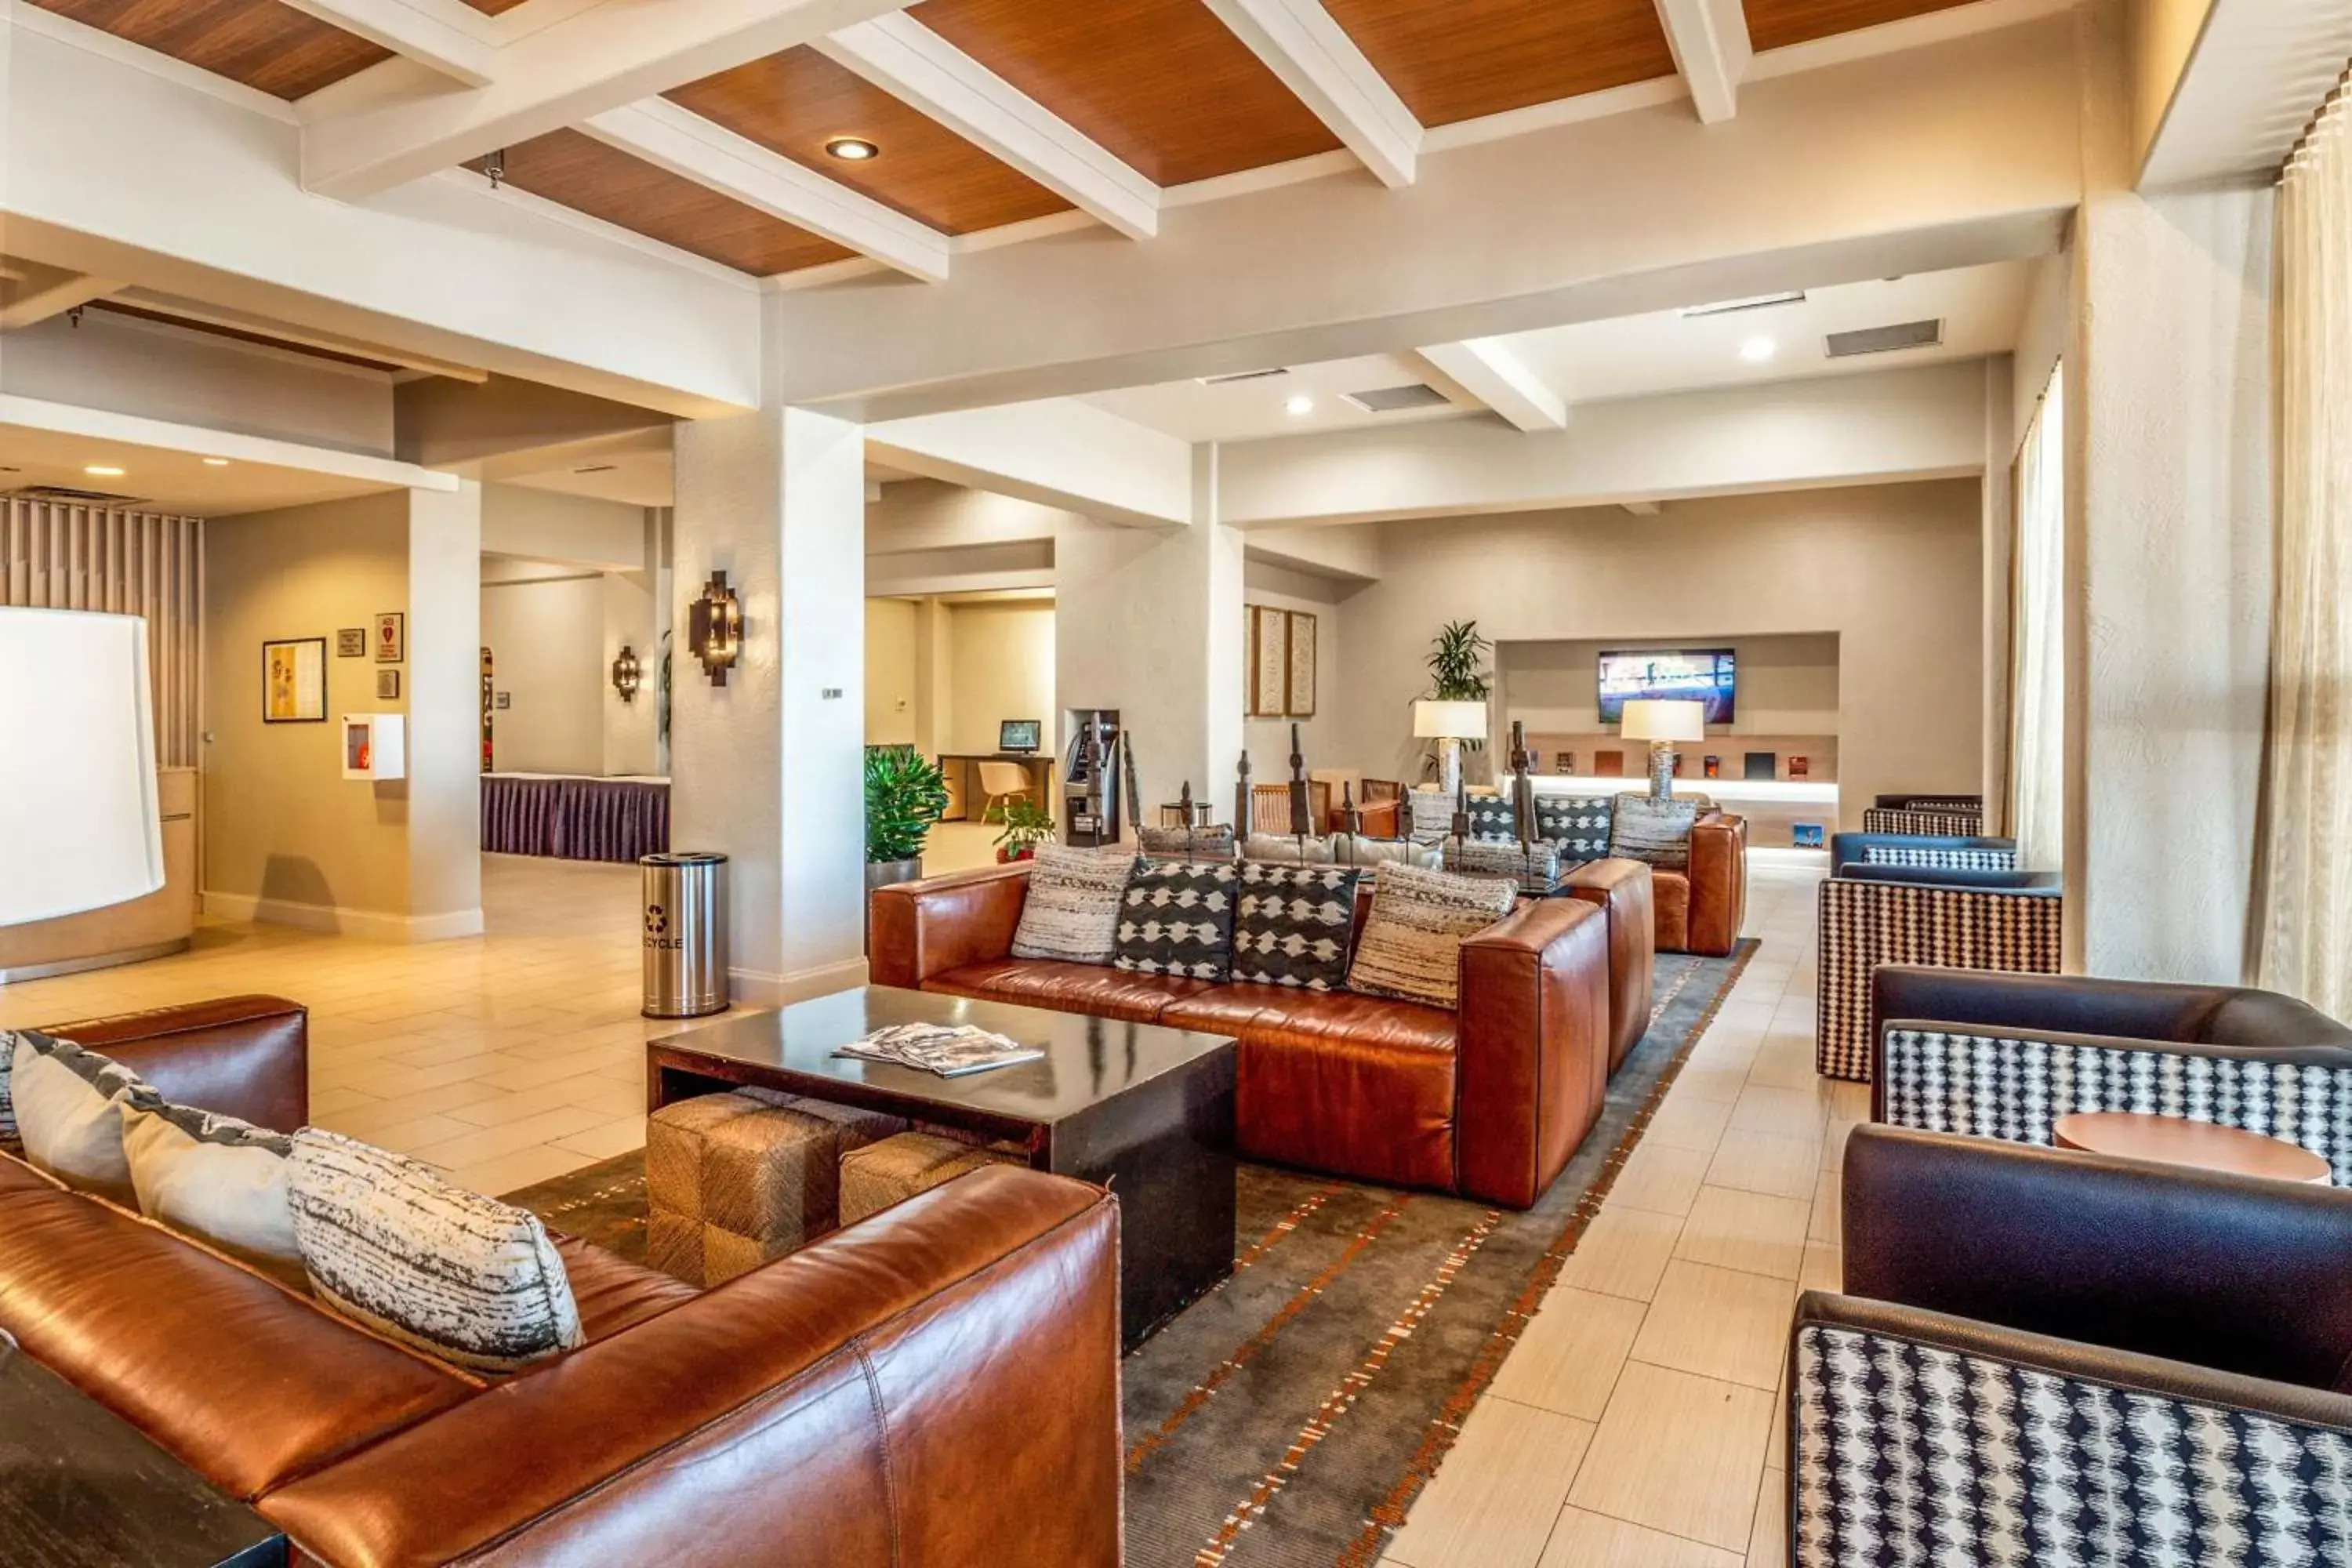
<point>1289,1419</point>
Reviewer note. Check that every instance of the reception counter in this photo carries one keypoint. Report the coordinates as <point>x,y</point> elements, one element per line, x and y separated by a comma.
<point>574,816</point>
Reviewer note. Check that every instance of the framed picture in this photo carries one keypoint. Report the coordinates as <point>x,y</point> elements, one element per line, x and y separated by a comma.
<point>1301,703</point>
<point>1269,661</point>
<point>387,685</point>
<point>294,681</point>
<point>391,637</point>
<point>351,642</point>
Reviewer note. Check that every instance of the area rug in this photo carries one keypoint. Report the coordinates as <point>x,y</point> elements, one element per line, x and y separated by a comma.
<point>1290,1418</point>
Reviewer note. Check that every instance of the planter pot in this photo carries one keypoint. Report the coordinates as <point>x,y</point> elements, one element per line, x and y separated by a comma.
<point>1006,857</point>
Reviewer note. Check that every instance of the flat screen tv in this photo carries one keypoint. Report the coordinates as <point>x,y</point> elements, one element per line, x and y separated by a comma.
<point>1705,674</point>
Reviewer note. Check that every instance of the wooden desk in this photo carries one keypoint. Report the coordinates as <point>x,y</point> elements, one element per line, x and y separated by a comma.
<point>963,778</point>
<point>2175,1140</point>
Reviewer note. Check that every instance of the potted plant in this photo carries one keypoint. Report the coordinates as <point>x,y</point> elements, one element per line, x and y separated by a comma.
<point>1455,674</point>
<point>904,794</point>
<point>1026,825</point>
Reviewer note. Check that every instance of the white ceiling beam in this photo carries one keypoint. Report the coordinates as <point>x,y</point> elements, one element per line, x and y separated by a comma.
<point>1324,70</point>
<point>36,292</point>
<point>597,60</point>
<point>684,143</point>
<point>919,67</point>
<point>441,35</point>
<point>1712,51</point>
<point>198,312</point>
<point>1497,377</point>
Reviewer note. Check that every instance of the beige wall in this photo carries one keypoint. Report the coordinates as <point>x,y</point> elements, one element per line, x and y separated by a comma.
<point>1268,740</point>
<point>1891,570</point>
<point>1002,667</point>
<point>632,728</point>
<point>890,672</point>
<point>546,641</point>
<point>1788,685</point>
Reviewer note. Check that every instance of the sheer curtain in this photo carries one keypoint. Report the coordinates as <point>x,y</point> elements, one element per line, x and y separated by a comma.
<point>2306,897</point>
<point>2037,739</point>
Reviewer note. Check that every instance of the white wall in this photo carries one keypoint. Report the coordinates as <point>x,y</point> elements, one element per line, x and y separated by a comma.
<point>547,526</point>
<point>546,640</point>
<point>631,727</point>
<point>1268,740</point>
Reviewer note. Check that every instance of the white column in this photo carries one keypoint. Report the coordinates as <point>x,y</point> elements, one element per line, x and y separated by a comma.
<point>767,768</point>
<point>1149,621</point>
<point>444,697</point>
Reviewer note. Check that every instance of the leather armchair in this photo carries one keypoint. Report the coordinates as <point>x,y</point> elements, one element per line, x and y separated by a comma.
<point>2004,1055</point>
<point>1624,892</point>
<point>2091,1350</point>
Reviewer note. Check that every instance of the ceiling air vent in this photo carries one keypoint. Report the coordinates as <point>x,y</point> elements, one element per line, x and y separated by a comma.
<point>1886,340</point>
<point>76,497</point>
<point>1240,375</point>
<point>1396,399</point>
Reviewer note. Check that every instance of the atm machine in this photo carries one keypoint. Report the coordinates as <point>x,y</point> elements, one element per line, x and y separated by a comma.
<point>1090,778</point>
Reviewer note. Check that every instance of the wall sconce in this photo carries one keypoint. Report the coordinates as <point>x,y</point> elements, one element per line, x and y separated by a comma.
<point>714,628</point>
<point>626,673</point>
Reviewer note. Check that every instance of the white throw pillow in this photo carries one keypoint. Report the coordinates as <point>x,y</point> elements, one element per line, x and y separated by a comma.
<point>218,1179</point>
<point>1287,849</point>
<point>459,1275</point>
<point>1071,913</point>
<point>66,1101</point>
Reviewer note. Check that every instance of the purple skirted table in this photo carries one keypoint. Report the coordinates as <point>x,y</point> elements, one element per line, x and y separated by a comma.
<point>574,818</point>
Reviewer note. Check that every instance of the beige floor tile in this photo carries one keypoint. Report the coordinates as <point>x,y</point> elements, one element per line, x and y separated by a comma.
<point>1768,1541</point>
<point>1829,1208</point>
<point>1710,1080</point>
<point>611,1139</point>
<point>1767,1162</point>
<point>1790,1112</point>
<point>1689,1119</point>
<point>1785,1062</point>
<point>1679,1453</point>
<point>1660,1177</point>
<point>1719,1323</point>
<point>1584,1540</point>
<point>1824,1267</point>
<point>1776,1452</point>
<point>1567,1360</point>
<point>327,1101</point>
<point>1622,1253</point>
<point>476,1145</point>
<point>402,1134</point>
<point>1751,1231</point>
<point>538,1163</point>
<point>1498,1493</point>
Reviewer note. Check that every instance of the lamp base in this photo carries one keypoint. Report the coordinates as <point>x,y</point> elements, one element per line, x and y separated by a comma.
<point>1662,771</point>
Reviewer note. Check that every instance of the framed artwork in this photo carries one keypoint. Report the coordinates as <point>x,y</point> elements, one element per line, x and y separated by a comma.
<point>351,642</point>
<point>294,681</point>
<point>391,637</point>
<point>387,685</point>
<point>1269,661</point>
<point>1301,694</point>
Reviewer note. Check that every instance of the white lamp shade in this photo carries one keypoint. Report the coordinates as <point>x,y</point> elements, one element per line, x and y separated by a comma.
<point>1661,718</point>
<point>79,824</point>
<point>1434,720</point>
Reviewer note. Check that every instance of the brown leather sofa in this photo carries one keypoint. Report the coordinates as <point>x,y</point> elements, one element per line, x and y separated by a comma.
<point>1701,911</point>
<point>1488,1102</point>
<point>1625,892</point>
<point>937,1384</point>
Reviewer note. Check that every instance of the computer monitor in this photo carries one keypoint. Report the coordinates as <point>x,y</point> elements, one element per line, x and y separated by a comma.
<point>1020,734</point>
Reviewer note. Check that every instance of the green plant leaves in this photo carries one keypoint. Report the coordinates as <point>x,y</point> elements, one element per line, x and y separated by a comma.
<point>904,794</point>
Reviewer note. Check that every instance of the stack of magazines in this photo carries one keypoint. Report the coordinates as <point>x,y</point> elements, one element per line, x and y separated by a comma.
<point>949,1050</point>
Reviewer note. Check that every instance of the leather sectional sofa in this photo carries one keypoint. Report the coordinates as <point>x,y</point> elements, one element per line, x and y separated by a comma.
<point>923,1386</point>
<point>1702,909</point>
<point>1488,1102</point>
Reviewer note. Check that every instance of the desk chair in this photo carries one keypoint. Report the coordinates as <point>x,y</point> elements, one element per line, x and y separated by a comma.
<point>1001,781</point>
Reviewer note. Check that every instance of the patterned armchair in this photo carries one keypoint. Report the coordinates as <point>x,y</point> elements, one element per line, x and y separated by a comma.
<point>2004,1055</point>
<point>2048,1357</point>
<point>1941,852</point>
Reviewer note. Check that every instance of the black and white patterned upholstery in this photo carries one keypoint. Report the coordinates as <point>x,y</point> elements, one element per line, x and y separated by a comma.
<point>1863,924</point>
<point>1932,823</point>
<point>1177,918</point>
<point>1940,859</point>
<point>1492,816</point>
<point>1908,1451</point>
<point>1291,925</point>
<point>1994,1084</point>
<point>1580,825</point>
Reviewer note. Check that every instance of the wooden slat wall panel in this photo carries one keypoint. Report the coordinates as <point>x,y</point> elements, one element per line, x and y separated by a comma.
<point>128,563</point>
<point>1773,24</point>
<point>1459,59</point>
<point>269,47</point>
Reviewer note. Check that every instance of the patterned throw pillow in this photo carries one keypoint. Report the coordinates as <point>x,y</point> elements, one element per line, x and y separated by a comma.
<point>67,1105</point>
<point>1071,913</point>
<point>1492,816</point>
<point>386,1241</point>
<point>218,1179</point>
<point>1578,825</point>
<point>1657,831</point>
<point>1187,843</point>
<point>1292,924</point>
<point>1177,918</point>
<point>1535,868</point>
<point>1430,814</point>
<point>1411,945</point>
<point>1941,860</point>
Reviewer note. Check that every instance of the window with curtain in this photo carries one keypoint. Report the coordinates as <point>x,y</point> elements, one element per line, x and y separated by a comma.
<point>2306,896</point>
<point>2037,632</point>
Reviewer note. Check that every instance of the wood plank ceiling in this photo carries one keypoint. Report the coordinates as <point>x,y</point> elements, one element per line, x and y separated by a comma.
<point>269,47</point>
<point>1775,24</point>
<point>1457,60</point>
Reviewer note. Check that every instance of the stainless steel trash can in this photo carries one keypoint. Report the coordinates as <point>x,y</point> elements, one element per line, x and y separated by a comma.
<point>685,934</point>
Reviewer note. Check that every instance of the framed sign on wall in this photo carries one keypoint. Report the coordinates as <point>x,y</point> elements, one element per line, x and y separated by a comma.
<point>391,637</point>
<point>1269,661</point>
<point>1300,696</point>
<point>294,681</point>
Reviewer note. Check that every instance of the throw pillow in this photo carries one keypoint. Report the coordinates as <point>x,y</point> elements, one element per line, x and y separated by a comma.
<point>1492,816</point>
<point>1287,849</point>
<point>218,1179</point>
<point>1071,913</point>
<point>464,1278</point>
<point>66,1102</point>
<point>1292,923</point>
<point>1940,859</point>
<point>1359,850</point>
<point>1187,843</point>
<point>1535,868</point>
<point>1411,945</point>
<point>1657,831</point>
<point>1177,918</point>
<point>1578,825</point>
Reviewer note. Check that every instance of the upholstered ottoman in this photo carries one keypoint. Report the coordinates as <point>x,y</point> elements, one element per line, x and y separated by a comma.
<point>732,1180</point>
<point>895,1169</point>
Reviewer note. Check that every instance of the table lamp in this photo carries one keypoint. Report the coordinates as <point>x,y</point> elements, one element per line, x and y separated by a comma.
<point>1662,723</point>
<point>1449,724</point>
<point>81,829</point>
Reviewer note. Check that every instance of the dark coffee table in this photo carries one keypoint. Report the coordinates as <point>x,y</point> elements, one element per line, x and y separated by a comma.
<point>1143,1111</point>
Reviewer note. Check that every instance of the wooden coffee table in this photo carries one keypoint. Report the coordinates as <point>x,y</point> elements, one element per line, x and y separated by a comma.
<point>2175,1140</point>
<point>1143,1111</point>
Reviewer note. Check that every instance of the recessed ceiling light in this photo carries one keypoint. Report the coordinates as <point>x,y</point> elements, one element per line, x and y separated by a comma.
<point>216,462</point>
<point>1302,404</point>
<point>854,149</point>
<point>101,470</point>
<point>1756,351</point>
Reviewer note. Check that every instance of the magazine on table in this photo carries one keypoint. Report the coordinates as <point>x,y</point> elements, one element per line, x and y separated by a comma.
<point>951,1050</point>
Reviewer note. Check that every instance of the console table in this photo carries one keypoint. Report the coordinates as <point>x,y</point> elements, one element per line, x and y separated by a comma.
<point>575,818</point>
<point>961,768</point>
